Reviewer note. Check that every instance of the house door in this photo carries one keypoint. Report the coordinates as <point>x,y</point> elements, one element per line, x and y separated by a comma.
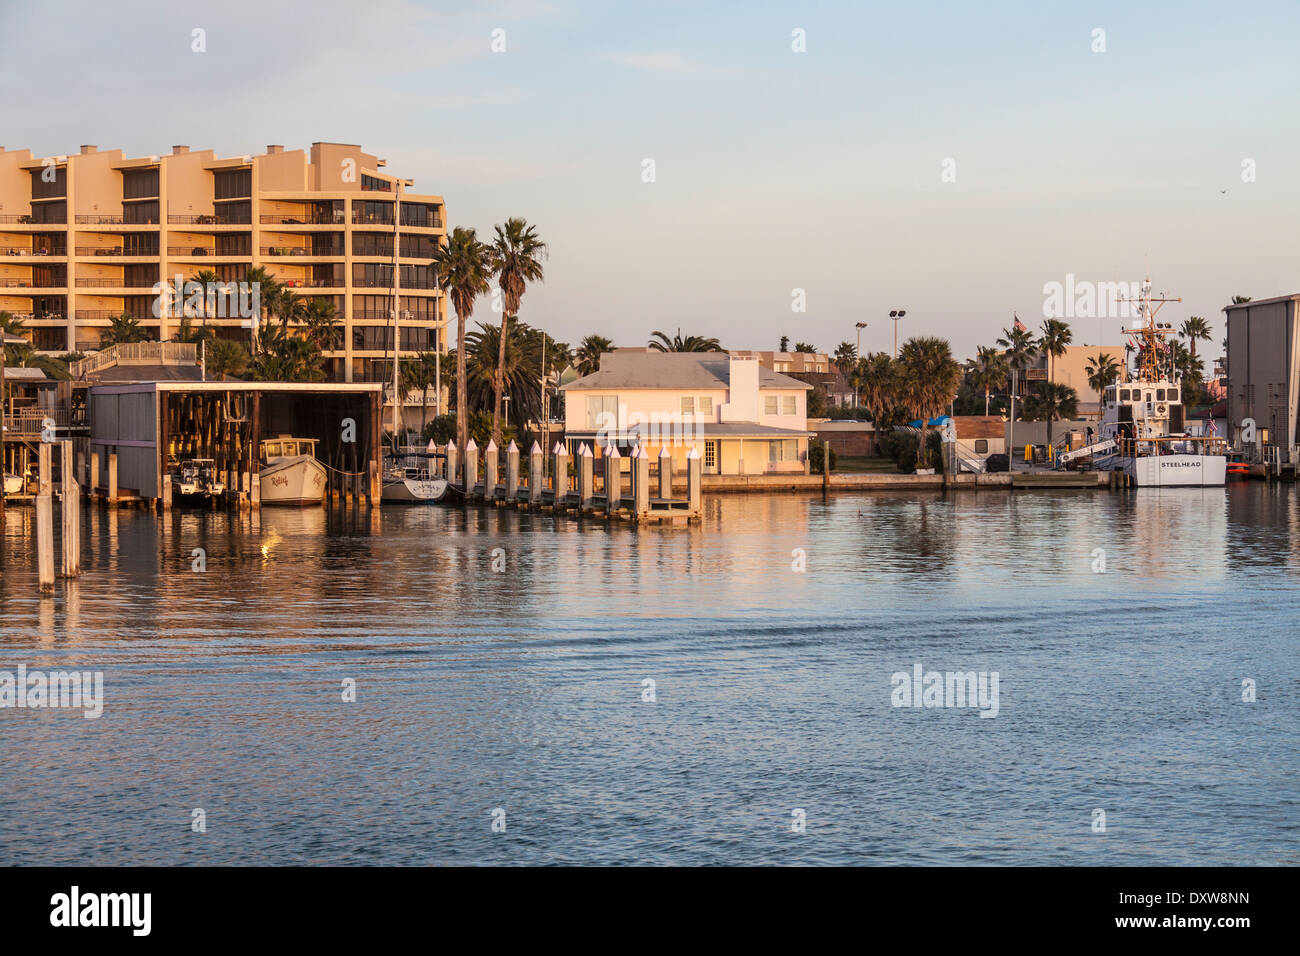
<point>710,457</point>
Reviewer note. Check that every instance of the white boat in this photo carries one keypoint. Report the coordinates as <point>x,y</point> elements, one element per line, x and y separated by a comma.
<point>13,484</point>
<point>197,478</point>
<point>412,479</point>
<point>290,474</point>
<point>1144,422</point>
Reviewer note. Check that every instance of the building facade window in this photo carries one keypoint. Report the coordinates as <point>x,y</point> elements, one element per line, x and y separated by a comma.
<point>769,405</point>
<point>788,405</point>
<point>783,449</point>
<point>602,412</point>
<point>232,184</point>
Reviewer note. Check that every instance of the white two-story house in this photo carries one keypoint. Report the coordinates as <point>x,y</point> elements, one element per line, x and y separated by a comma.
<point>742,418</point>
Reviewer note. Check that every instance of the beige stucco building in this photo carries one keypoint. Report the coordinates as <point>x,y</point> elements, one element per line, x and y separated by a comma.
<point>743,419</point>
<point>90,236</point>
<point>1071,369</point>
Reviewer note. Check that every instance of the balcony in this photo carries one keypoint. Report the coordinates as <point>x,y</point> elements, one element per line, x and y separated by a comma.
<point>27,220</point>
<point>117,220</point>
<point>102,283</point>
<point>25,251</point>
<point>360,218</point>
<point>209,220</point>
<point>29,421</point>
<point>311,283</point>
<point>304,219</point>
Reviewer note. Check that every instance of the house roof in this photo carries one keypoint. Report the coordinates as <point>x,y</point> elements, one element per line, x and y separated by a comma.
<point>706,430</point>
<point>1254,302</point>
<point>979,426</point>
<point>20,374</point>
<point>676,370</point>
<point>147,373</point>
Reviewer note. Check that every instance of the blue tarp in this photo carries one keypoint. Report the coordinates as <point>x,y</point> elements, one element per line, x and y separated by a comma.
<point>934,422</point>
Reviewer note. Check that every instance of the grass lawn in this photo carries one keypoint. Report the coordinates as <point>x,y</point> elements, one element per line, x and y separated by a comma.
<point>855,465</point>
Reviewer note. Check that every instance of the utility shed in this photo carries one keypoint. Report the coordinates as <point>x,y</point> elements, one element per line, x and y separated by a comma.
<point>153,426</point>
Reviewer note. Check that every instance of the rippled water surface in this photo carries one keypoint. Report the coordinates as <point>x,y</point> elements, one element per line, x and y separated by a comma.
<point>522,690</point>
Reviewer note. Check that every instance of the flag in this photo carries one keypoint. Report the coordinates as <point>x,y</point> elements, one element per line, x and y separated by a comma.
<point>1019,326</point>
<point>1209,426</point>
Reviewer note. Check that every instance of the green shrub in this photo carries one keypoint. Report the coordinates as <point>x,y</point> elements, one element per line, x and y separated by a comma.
<point>815,458</point>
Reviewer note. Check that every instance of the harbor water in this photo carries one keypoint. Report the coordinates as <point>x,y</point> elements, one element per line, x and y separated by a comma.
<point>444,686</point>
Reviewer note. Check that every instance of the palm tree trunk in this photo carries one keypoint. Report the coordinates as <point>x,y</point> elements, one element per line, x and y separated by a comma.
<point>986,401</point>
<point>499,379</point>
<point>920,448</point>
<point>462,398</point>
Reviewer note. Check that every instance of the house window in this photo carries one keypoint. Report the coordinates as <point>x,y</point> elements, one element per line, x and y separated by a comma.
<point>981,446</point>
<point>688,405</point>
<point>769,404</point>
<point>706,405</point>
<point>785,449</point>
<point>787,405</point>
<point>710,454</point>
<point>602,412</point>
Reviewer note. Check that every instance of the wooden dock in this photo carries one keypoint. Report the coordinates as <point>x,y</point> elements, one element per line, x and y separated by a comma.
<point>575,487</point>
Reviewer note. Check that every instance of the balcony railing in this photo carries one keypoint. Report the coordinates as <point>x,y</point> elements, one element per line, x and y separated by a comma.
<point>422,222</point>
<point>30,420</point>
<point>84,315</point>
<point>116,221</point>
<point>105,284</point>
<point>16,284</point>
<point>21,220</point>
<point>360,218</point>
<point>311,283</point>
<point>25,251</point>
<point>41,316</point>
<point>304,219</point>
<point>135,353</point>
<point>207,220</point>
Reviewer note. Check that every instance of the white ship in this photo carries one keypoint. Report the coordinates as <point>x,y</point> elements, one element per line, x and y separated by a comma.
<point>1143,428</point>
<point>291,475</point>
<point>412,478</point>
<point>197,478</point>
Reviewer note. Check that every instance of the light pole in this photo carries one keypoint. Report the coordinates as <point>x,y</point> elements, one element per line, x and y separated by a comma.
<point>857,391</point>
<point>896,314</point>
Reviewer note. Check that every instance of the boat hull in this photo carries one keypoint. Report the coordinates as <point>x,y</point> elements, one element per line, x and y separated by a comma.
<point>293,481</point>
<point>1177,471</point>
<point>13,485</point>
<point>414,490</point>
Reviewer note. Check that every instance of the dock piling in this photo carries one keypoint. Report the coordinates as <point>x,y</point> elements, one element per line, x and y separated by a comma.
<point>665,473</point>
<point>560,475</point>
<point>641,485</point>
<point>71,513</point>
<point>694,481</point>
<point>536,475</point>
<point>452,462</point>
<point>613,480</point>
<point>471,467</point>
<point>45,521</point>
<point>491,458</point>
<point>512,473</point>
<point>112,478</point>
<point>585,477</point>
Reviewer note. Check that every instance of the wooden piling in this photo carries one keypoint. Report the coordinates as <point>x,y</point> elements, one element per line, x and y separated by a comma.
<point>536,474</point>
<point>471,467</point>
<point>694,482</point>
<point>641,485</point>
<point>665,473</point>
<point>491,458</point>
<point>71,513</point>
<point>613,480</point>
<point>512,473</point>
<point>93,483</point>
<point>585,478</point>
<point>560,475</point>
<point>452,463</point>
<point>45,520</point>
<point>112,478</point>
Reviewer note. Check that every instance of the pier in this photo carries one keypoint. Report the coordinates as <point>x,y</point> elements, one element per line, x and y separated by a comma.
<point>635,488</point>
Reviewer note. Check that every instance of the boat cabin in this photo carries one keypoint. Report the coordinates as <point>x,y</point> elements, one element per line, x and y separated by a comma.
<point>1142,410</point>
<point>275,449</point>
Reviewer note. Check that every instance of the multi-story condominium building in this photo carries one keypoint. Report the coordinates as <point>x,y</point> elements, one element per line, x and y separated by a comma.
<point>88,237</point>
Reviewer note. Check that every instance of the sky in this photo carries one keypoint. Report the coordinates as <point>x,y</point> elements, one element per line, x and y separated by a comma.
<point>949,159</point>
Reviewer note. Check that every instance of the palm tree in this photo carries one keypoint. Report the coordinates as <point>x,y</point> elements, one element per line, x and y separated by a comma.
<point>587,359</point>
<point>121,329</point>
<point>1056,336</point>
<point>225,357</point>
<point>321,324</point>
<point>1050,403</point>
<point>785,344</point>
<point>1020,347</point>
<point>269,292</point>
<point>464,268</point>
<point>845,357</point>
<point>988,370</point>
<point>1240,299</point>
<point>805,347</point>
<point>928,379</point>
<point>875,378</point>
<point>1192,329</point>
<point>517,254</point>
<point>660,342</point>
<point>1103,372</point>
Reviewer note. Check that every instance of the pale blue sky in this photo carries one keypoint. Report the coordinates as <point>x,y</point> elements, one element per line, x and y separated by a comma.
<point>775,170</point>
